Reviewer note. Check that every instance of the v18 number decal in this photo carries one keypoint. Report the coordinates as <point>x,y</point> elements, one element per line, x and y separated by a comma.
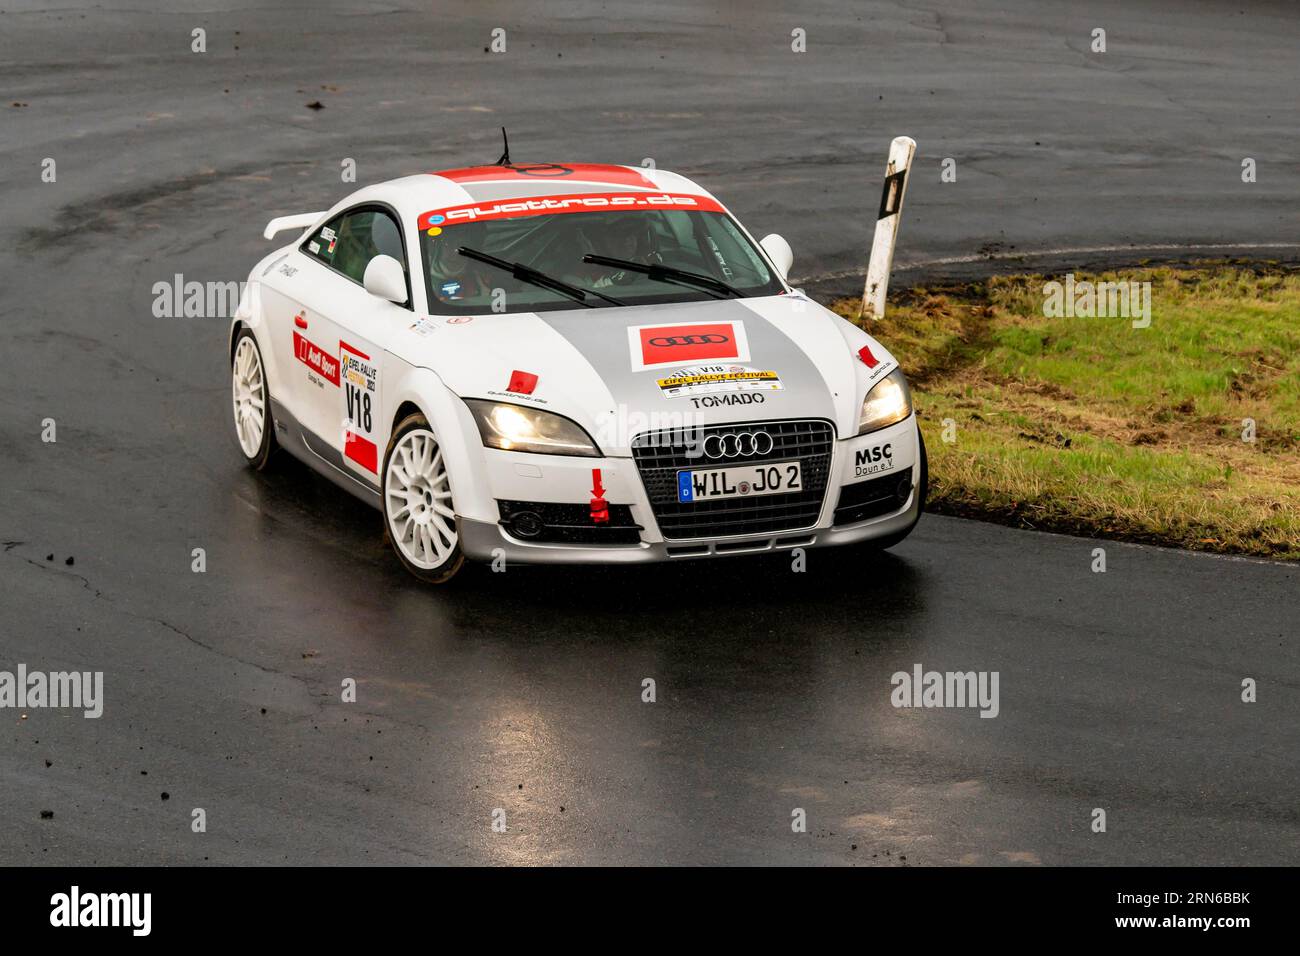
<point>361,406</point>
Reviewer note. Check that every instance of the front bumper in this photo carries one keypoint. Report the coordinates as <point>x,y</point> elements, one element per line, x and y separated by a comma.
<point>855,461</point>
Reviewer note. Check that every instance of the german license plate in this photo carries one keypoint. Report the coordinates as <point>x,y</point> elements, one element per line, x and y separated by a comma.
<point>744,481</point>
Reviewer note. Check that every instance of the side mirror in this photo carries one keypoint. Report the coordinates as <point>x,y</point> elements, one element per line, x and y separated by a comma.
<point>384,278</point>
<point>779,251</point>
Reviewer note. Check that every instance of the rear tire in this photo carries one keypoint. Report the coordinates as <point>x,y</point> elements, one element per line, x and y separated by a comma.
<point>419,518</point>
<point>922,487</point>
<point>251,397</point>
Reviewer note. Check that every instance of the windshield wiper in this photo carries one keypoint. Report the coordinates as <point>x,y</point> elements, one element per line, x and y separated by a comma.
<point>662,273</point>
<point>533,277</point>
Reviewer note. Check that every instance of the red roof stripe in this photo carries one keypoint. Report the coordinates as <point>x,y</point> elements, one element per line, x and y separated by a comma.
<point>523,172</point>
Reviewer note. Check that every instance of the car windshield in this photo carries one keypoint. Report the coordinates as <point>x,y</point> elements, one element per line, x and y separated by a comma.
<point>706,243</point>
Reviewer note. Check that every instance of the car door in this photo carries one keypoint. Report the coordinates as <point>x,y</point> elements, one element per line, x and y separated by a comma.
<point>341,334</point>
<point>283,287</point>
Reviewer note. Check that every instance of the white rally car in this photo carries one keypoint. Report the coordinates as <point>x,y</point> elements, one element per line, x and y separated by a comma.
<point>581,363</point>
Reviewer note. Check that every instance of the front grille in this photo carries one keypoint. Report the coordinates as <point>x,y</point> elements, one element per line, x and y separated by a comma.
<point>553,523</point>
<point>660,455</point>
<point>874,497</point>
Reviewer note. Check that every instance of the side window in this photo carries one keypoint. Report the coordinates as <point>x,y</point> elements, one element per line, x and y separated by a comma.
<point>348,242</point>
<point>323,243</point>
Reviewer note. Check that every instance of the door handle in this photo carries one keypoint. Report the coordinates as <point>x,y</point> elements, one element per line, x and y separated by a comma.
<point>300,320</point>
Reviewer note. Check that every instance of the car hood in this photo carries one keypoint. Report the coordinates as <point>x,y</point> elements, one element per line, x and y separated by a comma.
<point>613,370</point>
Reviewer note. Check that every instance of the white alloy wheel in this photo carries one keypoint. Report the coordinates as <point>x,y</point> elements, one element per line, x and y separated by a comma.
<point>417,501</point>
<point>248,393</point>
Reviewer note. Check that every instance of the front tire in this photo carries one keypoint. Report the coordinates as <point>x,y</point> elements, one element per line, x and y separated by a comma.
<point>419,518</point>
<point>251,396</point>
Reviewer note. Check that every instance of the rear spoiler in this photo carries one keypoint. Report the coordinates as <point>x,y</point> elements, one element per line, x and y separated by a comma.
<point>281,223</point>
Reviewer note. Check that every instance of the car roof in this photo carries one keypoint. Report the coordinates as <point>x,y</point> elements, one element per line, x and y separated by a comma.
<point>413,195</point>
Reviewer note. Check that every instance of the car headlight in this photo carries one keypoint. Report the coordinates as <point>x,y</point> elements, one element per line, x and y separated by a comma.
<point>516,428</point>
<point>888,403</point>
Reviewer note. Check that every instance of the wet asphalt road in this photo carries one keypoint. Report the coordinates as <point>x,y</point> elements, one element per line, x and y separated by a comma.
<point>522,691</point>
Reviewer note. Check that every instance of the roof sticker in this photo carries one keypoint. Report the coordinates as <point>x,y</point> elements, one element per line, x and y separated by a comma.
<point>572,202</point>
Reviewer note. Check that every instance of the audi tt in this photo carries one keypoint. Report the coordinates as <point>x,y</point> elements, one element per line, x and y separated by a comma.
<point>545,363</point>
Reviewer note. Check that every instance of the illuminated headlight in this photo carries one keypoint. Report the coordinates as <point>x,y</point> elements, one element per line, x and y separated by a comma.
<point>515,428</point>
<point>888,403</point>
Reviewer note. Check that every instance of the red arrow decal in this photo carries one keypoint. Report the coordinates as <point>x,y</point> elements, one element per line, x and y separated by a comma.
<point>599,506</point>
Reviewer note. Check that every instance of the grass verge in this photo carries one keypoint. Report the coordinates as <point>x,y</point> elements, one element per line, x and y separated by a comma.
<point>1091,426</point>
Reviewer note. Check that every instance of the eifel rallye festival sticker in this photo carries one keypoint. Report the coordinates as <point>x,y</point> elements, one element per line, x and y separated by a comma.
<point>711,379</point>
<point>360,397</point>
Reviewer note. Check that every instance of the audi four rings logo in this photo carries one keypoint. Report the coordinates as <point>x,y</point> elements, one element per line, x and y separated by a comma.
<point>711,338</point>
<point>741,445</point>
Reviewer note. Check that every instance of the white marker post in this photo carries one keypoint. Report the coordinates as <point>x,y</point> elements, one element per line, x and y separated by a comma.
<point>901,151</point>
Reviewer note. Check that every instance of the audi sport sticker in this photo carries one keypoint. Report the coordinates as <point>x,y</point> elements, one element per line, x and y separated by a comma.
<point>315,358</point>
<point>654,346</point>
<point>711,379</point>
<point>576,202</point>
<point>361,407</point>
